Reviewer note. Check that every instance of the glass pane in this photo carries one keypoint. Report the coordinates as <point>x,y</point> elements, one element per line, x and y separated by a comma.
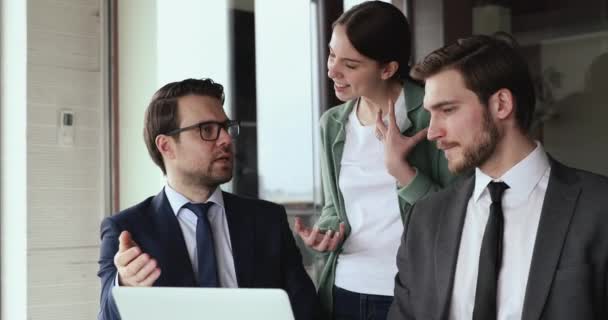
<point>566,45</point>
<point>284,102</point>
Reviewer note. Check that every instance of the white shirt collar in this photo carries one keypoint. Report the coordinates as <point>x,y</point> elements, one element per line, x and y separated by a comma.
<point>521,178</point>
<point>178,200</point>
<point>401,110</point>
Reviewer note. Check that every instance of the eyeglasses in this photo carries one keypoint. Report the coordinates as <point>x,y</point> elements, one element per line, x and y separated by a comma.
<point>210,130</point>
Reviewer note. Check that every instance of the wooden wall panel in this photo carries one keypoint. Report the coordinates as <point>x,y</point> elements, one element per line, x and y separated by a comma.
<point>65,183</point>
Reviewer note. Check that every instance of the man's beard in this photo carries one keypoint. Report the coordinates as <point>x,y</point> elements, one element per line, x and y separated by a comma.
<point>482,148</point>
<point>207,178</point>
<point>212,181</point>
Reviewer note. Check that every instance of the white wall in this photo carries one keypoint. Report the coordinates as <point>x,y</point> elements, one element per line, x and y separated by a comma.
<point>193,41</point>
<point>137,79</point>
<point>13,150</point>
<point>54,195</point>
<point>162,41</point>
<point>351,3</point>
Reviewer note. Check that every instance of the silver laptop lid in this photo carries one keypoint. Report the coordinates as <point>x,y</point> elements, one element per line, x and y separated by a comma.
<point>161,303</point>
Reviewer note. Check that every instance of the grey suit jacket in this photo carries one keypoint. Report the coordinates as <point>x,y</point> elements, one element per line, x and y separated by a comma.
<point>568,274</point>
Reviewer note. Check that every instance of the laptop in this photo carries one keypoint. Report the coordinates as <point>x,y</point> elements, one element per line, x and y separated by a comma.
<point>161,303</point>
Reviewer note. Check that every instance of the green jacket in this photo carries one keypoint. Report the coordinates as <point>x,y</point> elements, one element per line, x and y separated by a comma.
<point>430,164</point>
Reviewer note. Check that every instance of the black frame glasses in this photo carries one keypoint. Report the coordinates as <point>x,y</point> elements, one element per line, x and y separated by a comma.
<point>210,130</point>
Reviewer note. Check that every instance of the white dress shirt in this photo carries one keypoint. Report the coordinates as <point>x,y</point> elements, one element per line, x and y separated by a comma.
<point>522,204</point>
<point>219,226</point>
<point>367,262</point>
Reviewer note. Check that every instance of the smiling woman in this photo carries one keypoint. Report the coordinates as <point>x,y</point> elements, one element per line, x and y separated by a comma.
<point>375,162</point>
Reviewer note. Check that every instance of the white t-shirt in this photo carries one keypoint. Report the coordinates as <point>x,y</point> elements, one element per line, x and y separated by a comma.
<point>367,263</point>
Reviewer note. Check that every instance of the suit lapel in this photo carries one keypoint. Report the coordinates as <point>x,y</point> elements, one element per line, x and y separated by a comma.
<point>241,224</point>
<point>558,209</point>
<point>453,211</point>
<point>174,256</point>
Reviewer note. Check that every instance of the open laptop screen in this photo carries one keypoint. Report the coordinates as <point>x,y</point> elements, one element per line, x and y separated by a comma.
<point>161,303</point>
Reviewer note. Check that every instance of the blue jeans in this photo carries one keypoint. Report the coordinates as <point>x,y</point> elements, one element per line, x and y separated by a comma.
<point>350,305</point>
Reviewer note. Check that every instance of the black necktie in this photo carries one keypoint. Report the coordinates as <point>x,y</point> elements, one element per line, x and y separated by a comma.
<point>490,257</point>
<point>207,265</point>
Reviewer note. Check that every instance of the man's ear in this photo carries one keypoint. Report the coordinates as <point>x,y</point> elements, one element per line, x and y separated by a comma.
<point>165,145</point>
<point>502,104</point>
<point>389,69</point>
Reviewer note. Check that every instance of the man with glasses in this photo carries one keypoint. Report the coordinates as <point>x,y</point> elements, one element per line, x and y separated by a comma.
<point>192,234</point>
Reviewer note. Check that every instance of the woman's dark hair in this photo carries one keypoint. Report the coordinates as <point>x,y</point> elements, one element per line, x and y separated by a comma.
<point>161,115</point>
<point>380,31</point>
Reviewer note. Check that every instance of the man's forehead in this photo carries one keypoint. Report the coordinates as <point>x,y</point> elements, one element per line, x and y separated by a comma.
<point>447,77</point>
<point>445,86</point>
<point>199,103</point>
<point>198,99</point>
<point>200,108</point>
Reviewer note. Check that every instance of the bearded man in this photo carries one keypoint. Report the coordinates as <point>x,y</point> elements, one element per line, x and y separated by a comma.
<point>192,234</point>
<point>520,235</point>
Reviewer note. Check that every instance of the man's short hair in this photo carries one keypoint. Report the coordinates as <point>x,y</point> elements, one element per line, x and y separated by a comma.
<point>161,115</point>
<point>487,64</point>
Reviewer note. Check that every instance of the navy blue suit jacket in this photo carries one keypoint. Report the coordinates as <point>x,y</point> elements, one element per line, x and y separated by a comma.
<point>263,248</point>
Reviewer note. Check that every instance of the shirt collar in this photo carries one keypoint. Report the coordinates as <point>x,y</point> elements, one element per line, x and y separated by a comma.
<point>178,200</point>
<point>401,110</point>
<point>413,101</point>
<point>521,178</point>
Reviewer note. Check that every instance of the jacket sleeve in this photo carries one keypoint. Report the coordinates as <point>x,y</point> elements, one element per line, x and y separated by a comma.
<point>425,183</point>
<point>107,271</point>
<point>401,309</point>
<point>329,219</point>
<point>297,283</point>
